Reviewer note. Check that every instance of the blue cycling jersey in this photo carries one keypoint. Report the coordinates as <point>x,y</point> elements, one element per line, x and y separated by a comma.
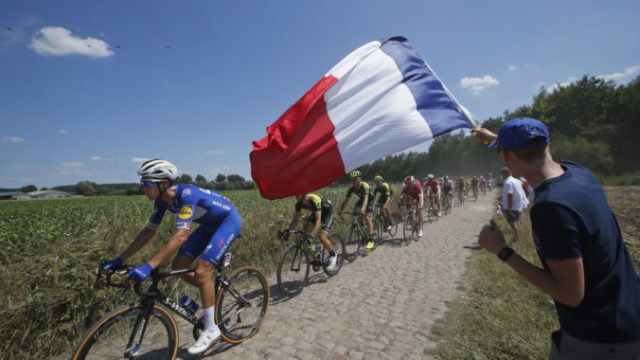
<point>206,207</point>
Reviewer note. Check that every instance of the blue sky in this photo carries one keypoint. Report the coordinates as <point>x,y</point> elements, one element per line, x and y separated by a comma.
<point>89,88</point>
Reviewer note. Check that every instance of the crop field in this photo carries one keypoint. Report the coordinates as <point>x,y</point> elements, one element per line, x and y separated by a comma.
<point>49,249</point>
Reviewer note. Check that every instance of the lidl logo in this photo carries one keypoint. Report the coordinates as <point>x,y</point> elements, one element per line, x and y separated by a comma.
<point>185,213</point>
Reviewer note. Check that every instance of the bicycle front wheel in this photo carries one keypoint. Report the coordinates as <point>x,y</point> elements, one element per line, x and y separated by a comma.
<point>109,337</point>
<point>293,270</point>
<point>352,243</point>
<point>242,304</point>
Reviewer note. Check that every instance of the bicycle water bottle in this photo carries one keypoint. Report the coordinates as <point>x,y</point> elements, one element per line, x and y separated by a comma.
<point>189,303</point>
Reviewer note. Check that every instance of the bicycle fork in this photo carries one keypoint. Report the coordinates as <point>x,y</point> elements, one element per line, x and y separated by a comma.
<point>135,340</point>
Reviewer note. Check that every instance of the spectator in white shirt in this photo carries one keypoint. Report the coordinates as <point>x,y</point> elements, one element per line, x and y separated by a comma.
<point>514,201</point>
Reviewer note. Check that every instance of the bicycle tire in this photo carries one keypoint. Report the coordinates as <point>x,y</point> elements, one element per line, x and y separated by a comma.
<point>242,306</point>
<point>352,243</point>
<point>338,247</point>
<point>108,338</point>
<point>377,232</point>
<point>407,226</point>
<point>397,218</point>
<point>293,272</point>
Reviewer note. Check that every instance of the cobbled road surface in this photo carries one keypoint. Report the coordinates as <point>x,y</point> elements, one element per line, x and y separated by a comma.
<point>381,306</point>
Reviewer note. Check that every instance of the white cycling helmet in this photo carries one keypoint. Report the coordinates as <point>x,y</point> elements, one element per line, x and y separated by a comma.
<point>158,170</point>
<point>430,176</point>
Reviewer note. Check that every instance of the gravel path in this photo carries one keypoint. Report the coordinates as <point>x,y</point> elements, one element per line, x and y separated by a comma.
<point>381,306</point>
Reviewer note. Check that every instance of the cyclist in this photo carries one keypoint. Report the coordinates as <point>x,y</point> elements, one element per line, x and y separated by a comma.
<point>320,220</point>
<point>385,199</point>
<point>412,192</point>
<point>483,184</point>
<point>447,189</point>
<point>474,186</point>
<point>433,189</point>
<point>364,205</point>
<point>219,226</point>
<point>460,187</point>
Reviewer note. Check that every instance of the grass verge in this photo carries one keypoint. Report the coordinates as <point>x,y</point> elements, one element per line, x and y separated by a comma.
<point>500,315</point>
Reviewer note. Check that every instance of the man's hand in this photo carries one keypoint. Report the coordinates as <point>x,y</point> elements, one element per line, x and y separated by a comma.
<point>484,135</point>
<point>140,273</point>
<point>491,238</point>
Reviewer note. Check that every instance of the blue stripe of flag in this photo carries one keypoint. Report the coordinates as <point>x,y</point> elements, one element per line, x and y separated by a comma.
<point>441,113</point>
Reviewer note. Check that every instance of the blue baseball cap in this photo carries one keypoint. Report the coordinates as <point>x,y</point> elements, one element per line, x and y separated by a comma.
<point>522,134</point>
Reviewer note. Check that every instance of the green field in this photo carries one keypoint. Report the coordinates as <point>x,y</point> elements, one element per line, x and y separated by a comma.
<point>49,249</point>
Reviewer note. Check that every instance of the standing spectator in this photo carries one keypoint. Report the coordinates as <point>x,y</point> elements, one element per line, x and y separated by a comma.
<point>586,266</point>
<point>514,201</point>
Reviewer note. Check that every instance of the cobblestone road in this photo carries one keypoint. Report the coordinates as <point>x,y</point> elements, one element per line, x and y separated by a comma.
<point>381,306</point>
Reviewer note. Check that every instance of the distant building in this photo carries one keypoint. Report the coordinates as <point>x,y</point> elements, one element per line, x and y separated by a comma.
<point>14,195</point>
<point>48,194</point>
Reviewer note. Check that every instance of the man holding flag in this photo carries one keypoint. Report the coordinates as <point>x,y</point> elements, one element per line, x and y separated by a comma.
<point>381,99</point>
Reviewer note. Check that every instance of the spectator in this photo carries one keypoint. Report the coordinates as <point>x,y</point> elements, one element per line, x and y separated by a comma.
<point>586,266</point>
<point>513,201</point>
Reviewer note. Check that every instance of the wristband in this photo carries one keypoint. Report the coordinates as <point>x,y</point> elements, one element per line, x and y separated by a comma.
<point>505,253</point>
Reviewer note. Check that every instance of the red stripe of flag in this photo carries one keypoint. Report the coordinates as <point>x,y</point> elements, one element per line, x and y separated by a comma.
<point>299,152</point>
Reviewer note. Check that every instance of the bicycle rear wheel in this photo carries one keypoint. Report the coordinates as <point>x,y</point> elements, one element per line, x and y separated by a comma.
<point>108,338</point>
<point>338,247</point>
<point>242,305</point>
<point>396,219</point>
<point>352,243</point>
<point>293,270</point>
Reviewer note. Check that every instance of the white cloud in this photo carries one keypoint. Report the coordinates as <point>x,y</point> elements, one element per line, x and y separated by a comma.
<point>139,159</point>
<point>477,84</point>
<point>216,152</point>
<point>62,132</point>
<point>555,86</point>
<point>11,139</point>
<point>58,41</point>
<point>619,76</point>
<point>100,158</point>
<point>512,68</point>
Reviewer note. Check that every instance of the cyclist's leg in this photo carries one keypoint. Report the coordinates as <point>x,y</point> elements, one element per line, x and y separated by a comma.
<point>327,222</point>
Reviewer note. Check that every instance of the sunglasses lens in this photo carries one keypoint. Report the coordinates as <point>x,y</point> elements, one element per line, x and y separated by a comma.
<point>147,183</point>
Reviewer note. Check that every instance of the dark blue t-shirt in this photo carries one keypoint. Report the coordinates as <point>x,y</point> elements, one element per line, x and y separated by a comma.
<point>571,218</point>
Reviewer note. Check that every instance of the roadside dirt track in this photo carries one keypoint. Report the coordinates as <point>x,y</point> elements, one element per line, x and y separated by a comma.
<point>381,306</point>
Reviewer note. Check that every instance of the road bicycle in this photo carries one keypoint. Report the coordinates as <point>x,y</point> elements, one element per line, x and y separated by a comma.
<point>303,255</point>
<point>380,223</point>
<point>356,236</point>
<point>432,213</point>
<point>411,224</point>
<point>146,329</point>
<point>461,197</point>
<point>447,200</point>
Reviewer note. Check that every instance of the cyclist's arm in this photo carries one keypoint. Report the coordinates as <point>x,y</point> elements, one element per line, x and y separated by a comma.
<point>181,235</point>
<point>138,243</point>
<point>294,222</point>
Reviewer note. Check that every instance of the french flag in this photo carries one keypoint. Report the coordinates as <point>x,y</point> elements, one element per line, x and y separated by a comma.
<point>381,99</point>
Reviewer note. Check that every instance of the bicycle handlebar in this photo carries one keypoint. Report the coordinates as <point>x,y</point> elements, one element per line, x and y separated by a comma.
<point>125,284</point>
